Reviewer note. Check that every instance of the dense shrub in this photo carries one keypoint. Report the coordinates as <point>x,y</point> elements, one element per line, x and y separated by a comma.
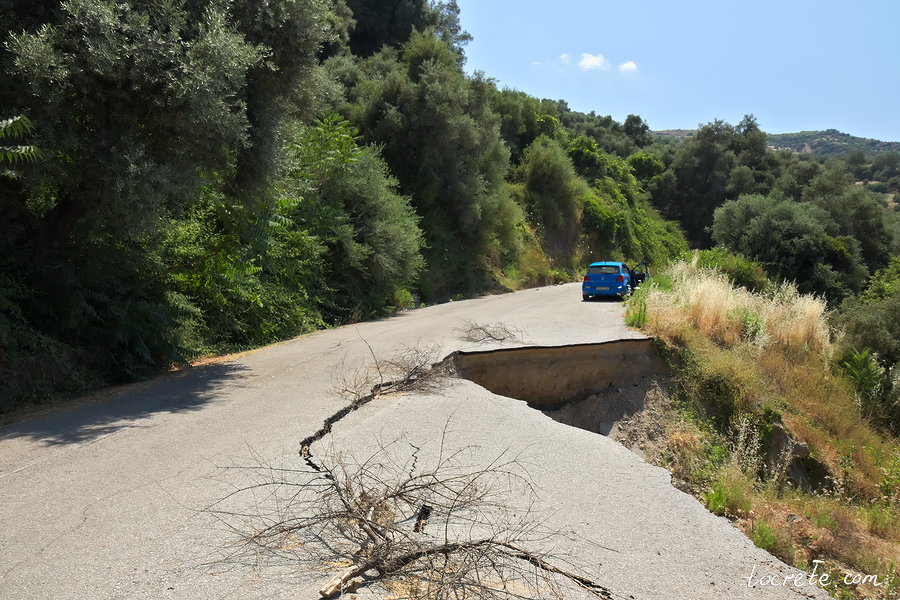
<point>740,270</point>
<point>871,320</point>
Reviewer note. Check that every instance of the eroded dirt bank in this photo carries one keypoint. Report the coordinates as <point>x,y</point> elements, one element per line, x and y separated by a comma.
<point>596,387</point>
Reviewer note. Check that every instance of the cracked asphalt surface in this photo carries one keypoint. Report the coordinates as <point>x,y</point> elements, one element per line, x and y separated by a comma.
<point>103,498</point>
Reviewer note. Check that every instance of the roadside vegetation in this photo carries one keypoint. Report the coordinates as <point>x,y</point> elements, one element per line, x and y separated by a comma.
<point>783,419</point>
<point>205,178</point>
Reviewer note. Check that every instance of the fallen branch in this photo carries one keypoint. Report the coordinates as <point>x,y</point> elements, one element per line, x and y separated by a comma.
<point>471,331</point>
<point>414,368</point>
<point>439,528</point>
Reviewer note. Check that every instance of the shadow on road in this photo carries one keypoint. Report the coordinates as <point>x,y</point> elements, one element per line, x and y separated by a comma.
<point>100,416</point>
<point>605,299</point>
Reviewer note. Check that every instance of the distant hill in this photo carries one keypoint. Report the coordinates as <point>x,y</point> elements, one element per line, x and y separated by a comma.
<point>678,134</point>
<point>828,143</point>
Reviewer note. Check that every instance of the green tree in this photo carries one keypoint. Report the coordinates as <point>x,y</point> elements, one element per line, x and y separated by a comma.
<point>587,158</point>
<point>133,117</point>
<point>344,196</point>
<point>792,242</point>
<point>702,168</point>
<point>444,18</point>
<point>870,326</point>
<point>384,23</point>
<point>554,196</point>
<point>751,147</point>
<point>795,176</point>
<point>854,211</point>
<point>158,122</point>
<point>873,325</point>
<point>885,166</point>
<point>719,163</point>
<point>636,129</point>
<point>289,34</point>
<point>441,140</point>
<point>380,23</point>
<point>519,120</point>
<point>856,164</point>
<point>609,134</point>
<point>646,166</point>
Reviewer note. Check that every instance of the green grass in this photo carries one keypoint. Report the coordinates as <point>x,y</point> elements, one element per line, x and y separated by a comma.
<point>636,314</point>
<point>773,541</point>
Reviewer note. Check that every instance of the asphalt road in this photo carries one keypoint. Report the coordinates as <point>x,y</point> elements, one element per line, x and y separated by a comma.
<point>105,498</point>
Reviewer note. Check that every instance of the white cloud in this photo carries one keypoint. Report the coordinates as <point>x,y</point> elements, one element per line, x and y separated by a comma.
<point>593,61</point>
<point>566,58</point>
<point>628,66</point>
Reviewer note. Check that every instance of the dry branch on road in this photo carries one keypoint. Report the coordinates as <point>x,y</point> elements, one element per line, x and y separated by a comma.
<point>436,529</point>
<point>471,331</point>
<point>415,368</point>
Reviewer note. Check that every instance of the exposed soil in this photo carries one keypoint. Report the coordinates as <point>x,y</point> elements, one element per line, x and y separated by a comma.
<point>613,388</point>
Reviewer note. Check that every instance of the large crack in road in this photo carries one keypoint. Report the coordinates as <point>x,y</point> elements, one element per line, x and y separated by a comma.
<point>590,386</point>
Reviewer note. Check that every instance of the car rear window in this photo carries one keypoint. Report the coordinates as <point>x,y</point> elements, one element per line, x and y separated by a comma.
<point>603,270</point>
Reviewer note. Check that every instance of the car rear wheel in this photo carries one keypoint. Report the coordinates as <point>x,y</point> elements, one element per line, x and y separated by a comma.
<point>585,297</point>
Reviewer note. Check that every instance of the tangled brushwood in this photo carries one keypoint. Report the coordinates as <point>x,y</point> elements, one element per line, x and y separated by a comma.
<point>471,331</point>
<point>414,368</point>
<point>423,528</point>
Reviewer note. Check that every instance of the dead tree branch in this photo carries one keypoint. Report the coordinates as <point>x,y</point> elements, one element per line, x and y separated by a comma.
<point>435,528</point>
<point>471,331</point>
<point>415,368</point>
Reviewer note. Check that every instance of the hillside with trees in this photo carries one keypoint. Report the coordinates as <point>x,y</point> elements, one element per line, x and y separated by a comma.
<point>830,143</point>
<point>181,180</point>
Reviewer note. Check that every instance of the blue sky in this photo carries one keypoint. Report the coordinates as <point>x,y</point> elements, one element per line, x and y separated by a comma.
<point>795,64</point>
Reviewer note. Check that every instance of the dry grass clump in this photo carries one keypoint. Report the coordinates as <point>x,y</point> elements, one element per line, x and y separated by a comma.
<point>824,415</point>
<point>796,320</point>
<point>732,492</point>
<point>709,302</point>
<point>751,350</point>
<point>711,305</point>
<point>684,446</point>
<point>882,521</point>
<point>823,527</point>
<point>664,319</point>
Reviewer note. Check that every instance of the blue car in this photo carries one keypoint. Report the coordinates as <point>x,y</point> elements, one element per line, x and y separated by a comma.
<point>612,279</point>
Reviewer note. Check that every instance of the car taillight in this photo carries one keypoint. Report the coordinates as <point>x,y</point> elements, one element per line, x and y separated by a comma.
<point>620,278</point>
<point>587,277</point>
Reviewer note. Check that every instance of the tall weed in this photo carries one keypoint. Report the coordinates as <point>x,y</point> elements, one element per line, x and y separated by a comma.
<point>708,301</point>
